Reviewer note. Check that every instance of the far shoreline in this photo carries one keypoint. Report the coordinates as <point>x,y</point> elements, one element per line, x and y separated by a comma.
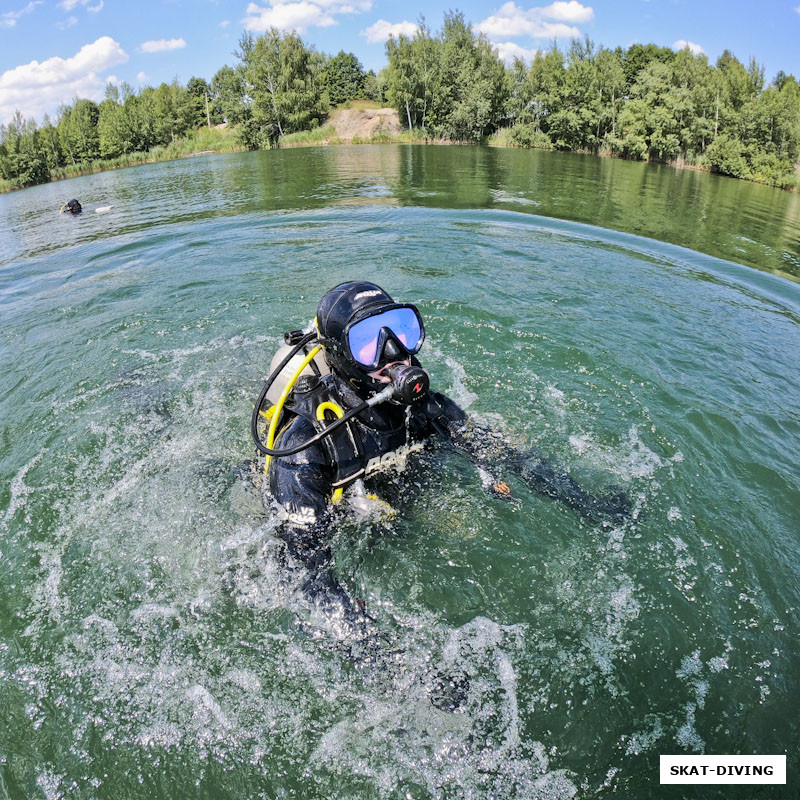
<point>316,138</point>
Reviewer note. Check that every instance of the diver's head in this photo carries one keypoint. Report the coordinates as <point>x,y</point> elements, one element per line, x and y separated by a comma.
<point>365,333</point>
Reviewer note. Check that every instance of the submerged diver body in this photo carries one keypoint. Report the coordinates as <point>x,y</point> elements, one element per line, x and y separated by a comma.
<point>372,382</point>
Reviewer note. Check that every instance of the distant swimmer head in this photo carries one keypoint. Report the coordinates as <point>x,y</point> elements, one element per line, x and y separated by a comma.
<point>366,334</point>
<point>72,207</point>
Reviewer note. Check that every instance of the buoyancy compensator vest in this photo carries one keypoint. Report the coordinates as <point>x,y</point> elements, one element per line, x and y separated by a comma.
<point>302,385</point>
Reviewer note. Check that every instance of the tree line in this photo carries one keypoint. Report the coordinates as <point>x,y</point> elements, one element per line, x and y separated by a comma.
<point>280,86</point>
<point>640,102</point>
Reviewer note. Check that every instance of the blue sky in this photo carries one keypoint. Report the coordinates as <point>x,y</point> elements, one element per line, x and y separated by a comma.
<point>52,51</point>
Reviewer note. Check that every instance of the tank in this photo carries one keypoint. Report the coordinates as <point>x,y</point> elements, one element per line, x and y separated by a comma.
<point>289,370</point>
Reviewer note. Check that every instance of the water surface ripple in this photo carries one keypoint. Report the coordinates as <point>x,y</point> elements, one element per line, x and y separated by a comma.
<point>149,639</point>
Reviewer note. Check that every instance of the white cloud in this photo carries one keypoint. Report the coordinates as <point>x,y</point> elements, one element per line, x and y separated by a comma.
<point>299,15</point>
<point>8,19</point>
<point>382,30</point>
<point>571,11</point>
<point>142,77</point>
<point>69,22</point>
<point>510,21</point>
<point>68,5</point>
<point>162,45</point>
<point>287,17</point>
<point>695,48</point>
<point>224,23</point>
<point>38,88</point>
<point>508,51</point>
<point>340,6</point>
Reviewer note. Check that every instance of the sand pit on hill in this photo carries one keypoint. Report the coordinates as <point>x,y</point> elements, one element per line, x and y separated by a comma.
<point>350,122</point>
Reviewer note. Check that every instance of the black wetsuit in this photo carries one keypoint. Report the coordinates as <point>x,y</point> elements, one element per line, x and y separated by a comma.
<point>375,441</point>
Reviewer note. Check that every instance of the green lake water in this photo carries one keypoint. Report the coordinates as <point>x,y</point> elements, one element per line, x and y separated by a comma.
<point>637,325</point>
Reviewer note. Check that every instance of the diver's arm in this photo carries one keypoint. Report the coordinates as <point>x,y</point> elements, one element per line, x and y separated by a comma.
<point>300,485</point>
<point>489,450</point>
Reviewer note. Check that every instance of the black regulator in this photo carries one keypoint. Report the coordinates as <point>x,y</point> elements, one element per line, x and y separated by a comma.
<point>410,384</point>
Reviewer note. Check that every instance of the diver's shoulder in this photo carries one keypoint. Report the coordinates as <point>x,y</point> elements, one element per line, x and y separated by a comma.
<point>298,429</point>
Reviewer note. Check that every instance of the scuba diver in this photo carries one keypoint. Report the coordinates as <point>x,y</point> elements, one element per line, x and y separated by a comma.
<point>71,207</point>
<point>346,400</point>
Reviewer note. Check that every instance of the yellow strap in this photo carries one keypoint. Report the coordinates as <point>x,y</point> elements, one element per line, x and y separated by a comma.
<point>273,425</point>
<point>268,413</point>
<point>274,412</point>
<point>337,410</point>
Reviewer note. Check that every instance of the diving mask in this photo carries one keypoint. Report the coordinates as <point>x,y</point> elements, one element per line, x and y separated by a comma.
<point>389,333</point>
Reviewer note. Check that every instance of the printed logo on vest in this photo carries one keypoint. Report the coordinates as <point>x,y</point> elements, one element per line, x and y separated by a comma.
<point>396,458</point>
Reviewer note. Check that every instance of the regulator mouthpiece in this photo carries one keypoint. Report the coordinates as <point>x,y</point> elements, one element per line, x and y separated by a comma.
<point>410,384</point>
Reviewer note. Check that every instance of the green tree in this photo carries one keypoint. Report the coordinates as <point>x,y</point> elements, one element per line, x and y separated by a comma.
<point>374,87</point>
<point>172,111</point>
<point>21,158</point>
<point>548,76</point>
<point>520,93</point>
<point>227,87</point>
<point>736,86</point>
<point>639,56</point>
<point>9,156</point>
<point>474,88</point>
<point>284,81</point>
<point>452,84</point>
<point>607,88</point>
<point>402,81</point>
<point>574,126</point>
<point>111,125</point>
<point>201,100</point>
<point>49,145</point>
<point>344,78</point>
<point>77,131</point>
<point>31,163</point>
<point>426,60</point>
<point>648,126</point>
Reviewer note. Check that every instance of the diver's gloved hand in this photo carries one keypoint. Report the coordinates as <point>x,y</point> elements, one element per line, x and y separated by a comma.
<point>501,490</point>
<point>495,486</point>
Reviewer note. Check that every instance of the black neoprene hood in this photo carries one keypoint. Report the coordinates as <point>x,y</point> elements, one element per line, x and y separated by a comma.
<point>345,303</point>
<point>340,306</point>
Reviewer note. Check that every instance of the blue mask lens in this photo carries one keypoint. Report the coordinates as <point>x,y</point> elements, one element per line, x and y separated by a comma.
<point>364,336</point>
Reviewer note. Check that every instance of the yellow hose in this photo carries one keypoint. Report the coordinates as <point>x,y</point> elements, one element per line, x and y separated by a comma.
<point>273,424</point>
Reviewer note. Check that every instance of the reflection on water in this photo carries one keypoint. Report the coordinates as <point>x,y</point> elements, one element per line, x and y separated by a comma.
<point>728,218</point>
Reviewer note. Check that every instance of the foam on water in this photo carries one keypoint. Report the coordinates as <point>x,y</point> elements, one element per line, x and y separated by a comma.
<point>631,459</point>
<point>19,491</point>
